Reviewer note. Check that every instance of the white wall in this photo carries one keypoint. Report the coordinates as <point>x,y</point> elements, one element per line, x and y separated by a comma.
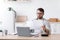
<point>52,9</point>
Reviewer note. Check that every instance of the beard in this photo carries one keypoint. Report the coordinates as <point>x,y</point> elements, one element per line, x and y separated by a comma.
<point>40,17</point>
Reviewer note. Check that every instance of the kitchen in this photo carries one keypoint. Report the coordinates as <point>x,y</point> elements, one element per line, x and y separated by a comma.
<point>28,8</point>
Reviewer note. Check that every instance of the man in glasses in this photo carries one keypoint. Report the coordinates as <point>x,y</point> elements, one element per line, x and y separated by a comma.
<point>40,25</point>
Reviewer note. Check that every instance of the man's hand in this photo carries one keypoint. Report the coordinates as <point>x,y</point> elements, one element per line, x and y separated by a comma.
<point>45,29</point>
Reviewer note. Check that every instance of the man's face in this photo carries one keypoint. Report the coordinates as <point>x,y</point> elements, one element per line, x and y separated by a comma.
<point>40,14</point>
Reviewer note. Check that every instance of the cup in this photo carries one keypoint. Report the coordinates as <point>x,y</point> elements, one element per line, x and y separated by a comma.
<point>5,32</point>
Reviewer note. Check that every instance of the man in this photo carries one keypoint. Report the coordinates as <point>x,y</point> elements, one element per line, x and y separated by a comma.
<point>40,25</point>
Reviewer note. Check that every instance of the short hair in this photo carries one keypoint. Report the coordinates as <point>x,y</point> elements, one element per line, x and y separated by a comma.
<point>41,9</point>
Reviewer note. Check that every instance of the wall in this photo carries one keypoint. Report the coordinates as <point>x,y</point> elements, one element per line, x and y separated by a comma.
<point>52,8</point>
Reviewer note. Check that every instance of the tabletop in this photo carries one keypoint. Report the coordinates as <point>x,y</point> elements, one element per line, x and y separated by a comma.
<point>50,37</point>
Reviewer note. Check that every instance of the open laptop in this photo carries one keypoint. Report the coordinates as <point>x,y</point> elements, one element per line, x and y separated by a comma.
<point>23,31</point>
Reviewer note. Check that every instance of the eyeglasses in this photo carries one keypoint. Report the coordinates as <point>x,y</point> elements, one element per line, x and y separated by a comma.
<point>40,13</point>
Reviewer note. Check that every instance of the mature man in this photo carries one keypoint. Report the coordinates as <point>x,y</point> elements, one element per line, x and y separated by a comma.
<point>40,25</point>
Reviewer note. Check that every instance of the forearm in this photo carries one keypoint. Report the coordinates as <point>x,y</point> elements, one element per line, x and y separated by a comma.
<point>47,31</point>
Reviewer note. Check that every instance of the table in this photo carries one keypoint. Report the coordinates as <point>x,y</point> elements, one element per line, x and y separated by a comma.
<point>15,37</point>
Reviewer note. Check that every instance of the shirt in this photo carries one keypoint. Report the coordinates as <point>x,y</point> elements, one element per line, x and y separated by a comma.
<point>37,26</point>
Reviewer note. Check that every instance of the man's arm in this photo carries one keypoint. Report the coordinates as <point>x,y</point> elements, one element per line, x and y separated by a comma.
<point>46,30</point>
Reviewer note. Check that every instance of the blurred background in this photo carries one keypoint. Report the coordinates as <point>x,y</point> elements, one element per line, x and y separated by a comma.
<point>14,12</point>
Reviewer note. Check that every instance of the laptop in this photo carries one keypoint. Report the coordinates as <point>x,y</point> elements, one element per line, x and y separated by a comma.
<point>24,31</point>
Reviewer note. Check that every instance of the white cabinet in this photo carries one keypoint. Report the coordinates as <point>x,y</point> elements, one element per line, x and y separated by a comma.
<point>55,28</point>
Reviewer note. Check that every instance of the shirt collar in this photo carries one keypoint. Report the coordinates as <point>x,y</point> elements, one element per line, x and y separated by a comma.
<point>39,19</point>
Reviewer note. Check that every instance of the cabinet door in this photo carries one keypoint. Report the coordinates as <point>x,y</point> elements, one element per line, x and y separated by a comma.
<point>55,28</point>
